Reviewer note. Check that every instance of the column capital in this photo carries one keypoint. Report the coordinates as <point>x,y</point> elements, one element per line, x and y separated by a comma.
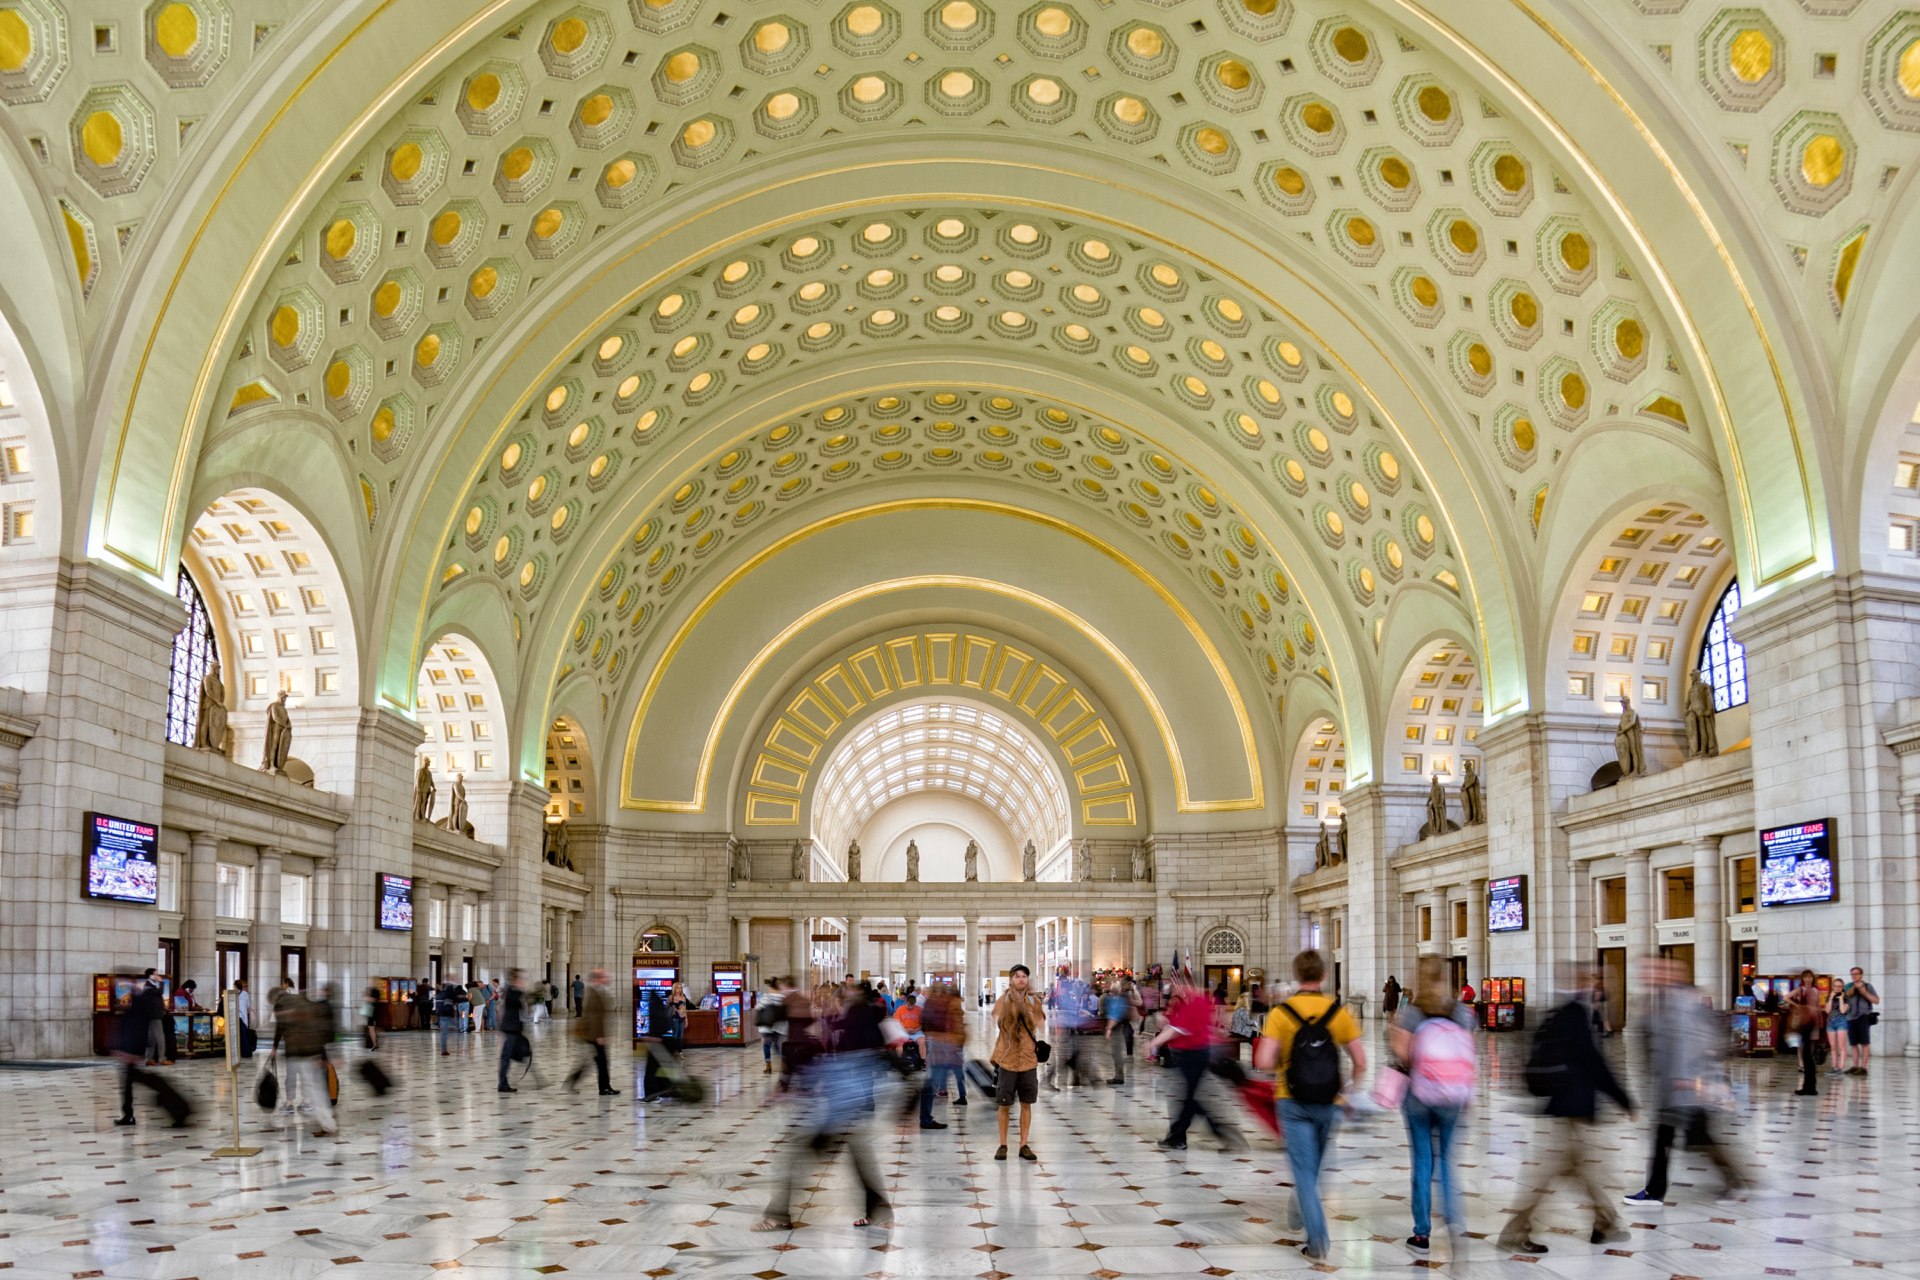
<point>1708,845</point>
<point>203,843</point>
<point>1639,857</point>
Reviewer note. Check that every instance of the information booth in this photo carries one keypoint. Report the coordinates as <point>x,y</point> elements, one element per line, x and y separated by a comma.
<point>656,967</point>
<point>112,992</point>
<point>730,989</point>
<point>395,1010</point>
<point>1503,1004</point>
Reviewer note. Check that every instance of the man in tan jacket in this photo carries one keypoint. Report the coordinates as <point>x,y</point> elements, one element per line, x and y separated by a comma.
<point>1019,1016</point>
<point>590,1029</point>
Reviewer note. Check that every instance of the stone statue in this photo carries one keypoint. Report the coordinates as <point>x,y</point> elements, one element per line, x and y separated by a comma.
<point>456,820</point>
<point>797,868</point>
<point>742,864</point>
<point>1029,862</point>
<point>279,736</point>
<point>1627,746</point>
<point>913,860</point>
<point>556,840</point>
<point>211,733</point>
<point>1140,863</point>
<point>424,791</point>
<point>1083,860</point>
<point>853,862</point>
<point>1437,823</point>
<point>973,861</point>
<point>1473,807</point>
<point>1703,739</point>
<point>1340,841</point>
<point>1323,848</point>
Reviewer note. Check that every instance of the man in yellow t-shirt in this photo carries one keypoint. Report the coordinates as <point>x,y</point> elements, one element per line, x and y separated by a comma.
<point>1308,1123</point>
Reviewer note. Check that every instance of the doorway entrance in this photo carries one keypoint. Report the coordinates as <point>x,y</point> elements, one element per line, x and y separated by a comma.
<point>1746,963</point>
<point>1681,953</point>
<point>230,963</point>
<point>293,967</point>
<point>1231,974</point>
<point>1613,981</point>
<point>167,959</point>
<point>1457,970</point>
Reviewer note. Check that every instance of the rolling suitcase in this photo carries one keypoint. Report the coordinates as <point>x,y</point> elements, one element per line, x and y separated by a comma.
<point>375,1077</point>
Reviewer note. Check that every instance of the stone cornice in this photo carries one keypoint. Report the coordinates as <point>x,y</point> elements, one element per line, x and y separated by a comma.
<point>1466,842</point>
<point>439,843</point>
<point>93,587</point>
<point>206,792</point>
<point>1721,780</point>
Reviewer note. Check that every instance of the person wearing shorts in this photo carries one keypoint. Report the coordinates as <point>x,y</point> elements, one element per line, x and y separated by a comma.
<point>1861,999</point>
<point>1017,1016</point>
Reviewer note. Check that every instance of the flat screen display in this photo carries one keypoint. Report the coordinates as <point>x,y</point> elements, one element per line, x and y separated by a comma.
<point>1796,865</point>
<point>645,981</point>
<point>122,859</point>
<point>396,903</point>
<point>1507,904</point>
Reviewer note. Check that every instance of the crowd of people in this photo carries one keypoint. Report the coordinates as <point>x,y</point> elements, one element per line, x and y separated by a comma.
<point>841,1050</point>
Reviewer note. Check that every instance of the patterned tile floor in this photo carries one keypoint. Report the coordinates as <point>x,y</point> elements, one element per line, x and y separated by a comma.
<point>445,1174</point>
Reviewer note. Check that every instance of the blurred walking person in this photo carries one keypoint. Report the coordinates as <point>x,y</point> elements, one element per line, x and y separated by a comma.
<point>1803,1023</point>
<point>1301,1042</point>
<point>1685,1049</point>
<point>770,1018</point>
<point>943,1020</point>
<point>591,1029</point>
<point>132,1036</point>
<point>1191,1035</point>
<point>833,1084</point>
<point>514,1045</point>
<point>310,1028</point>
<point>1018,1016</point>
<point>1433,1036</point>
<point>1566,1068</point>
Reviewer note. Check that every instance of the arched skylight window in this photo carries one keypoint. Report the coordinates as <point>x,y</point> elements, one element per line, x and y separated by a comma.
<point>1723,660</point>
<point>934,746</point>
<point>194,650</point>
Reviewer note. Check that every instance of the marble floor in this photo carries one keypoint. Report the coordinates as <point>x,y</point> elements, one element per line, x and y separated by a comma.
<point>445,1174</point>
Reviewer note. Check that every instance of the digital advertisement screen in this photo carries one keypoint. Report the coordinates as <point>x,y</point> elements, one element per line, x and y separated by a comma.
<point>646,980</point>
<point>396,903</point>
<point>1796,865</point>
<point>1507,904</point>
<point>122,859</point>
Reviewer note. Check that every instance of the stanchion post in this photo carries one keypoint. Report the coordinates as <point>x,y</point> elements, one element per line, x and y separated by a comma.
<point>230,1001</point>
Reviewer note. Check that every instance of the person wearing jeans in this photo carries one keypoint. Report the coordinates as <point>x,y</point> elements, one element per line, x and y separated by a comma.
<point>1430,1127</point>
<point>1307,1126</point>
<point>1191,1035</point>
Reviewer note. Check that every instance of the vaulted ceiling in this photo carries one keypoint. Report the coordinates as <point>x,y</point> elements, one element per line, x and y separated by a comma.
<point>1351,326</point>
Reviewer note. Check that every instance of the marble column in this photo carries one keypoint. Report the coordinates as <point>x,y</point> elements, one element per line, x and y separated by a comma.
<point>422,941</point>
<point>971,967</point>
<point>1083,946</point>
<point>1434,901</point>
<point>1029,942</point>
<point>196,943</point>
<point>1139,958</point>
<point>264,950</point>
<point>1710,946</point>
<point>853,947</point>
<point>1476,931</point>
<point>912,935</point>
<point>1640,931</point>
<point>799,946</point>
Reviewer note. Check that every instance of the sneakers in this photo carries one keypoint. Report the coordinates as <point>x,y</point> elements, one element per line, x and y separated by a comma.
<point>124,1121</point>
<point>959,1102</point>
<point>1609,1235</point>
<point>1168,1144</point>
<point>932,1124</point>
<point>1420,1245</point>
<point>1026,1152</point>
<point>1511,1244</point>
<point>609,1093</point>
<point>506,1088</point>
<point>1001,1154</point>
<point>1308,1252</point>
<point>1642,1200</point>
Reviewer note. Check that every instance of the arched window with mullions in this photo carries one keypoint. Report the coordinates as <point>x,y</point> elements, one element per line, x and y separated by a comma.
<point>194,650</point>
<point>1723,660</point>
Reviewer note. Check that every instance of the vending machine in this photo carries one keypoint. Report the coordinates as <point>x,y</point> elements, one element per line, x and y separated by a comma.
<point>651,973</point>
<point>729,987</point>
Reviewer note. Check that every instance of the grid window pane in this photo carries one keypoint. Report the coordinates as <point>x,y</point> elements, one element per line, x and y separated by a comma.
<point>1723,660</point>
<point>193,652</point>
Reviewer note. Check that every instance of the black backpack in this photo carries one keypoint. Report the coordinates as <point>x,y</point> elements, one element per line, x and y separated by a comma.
<point>1546,1065</point>
<point>1313,1063</point>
